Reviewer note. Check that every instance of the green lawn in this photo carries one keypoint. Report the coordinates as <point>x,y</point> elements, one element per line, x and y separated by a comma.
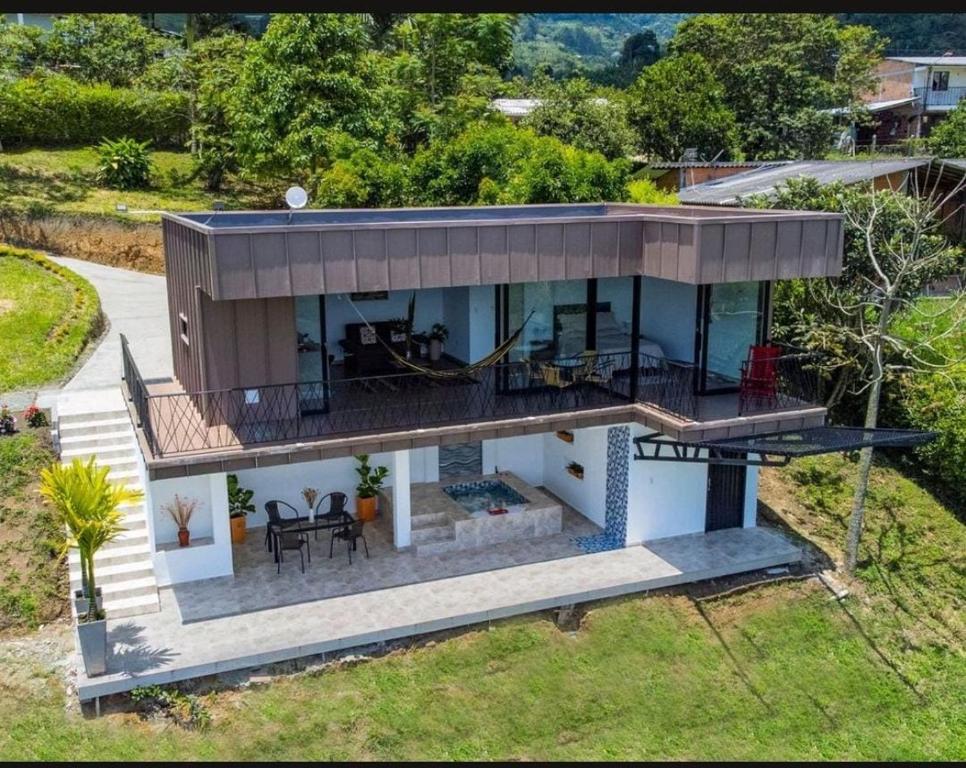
<point>32,578</point>
<point>62,181</point>
<point>47,316</point>
<point>777,672</point>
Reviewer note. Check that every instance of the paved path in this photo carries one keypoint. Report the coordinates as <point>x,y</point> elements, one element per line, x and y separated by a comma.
<point>162,648</point>
<point>136,305</point>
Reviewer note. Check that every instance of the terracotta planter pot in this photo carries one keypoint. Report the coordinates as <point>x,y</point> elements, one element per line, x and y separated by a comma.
<point>238,529</point>
<point>366,509</point>
<point>184,537</point>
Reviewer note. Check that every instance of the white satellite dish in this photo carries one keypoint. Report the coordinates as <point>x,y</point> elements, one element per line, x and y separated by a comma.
<point>296,197</point>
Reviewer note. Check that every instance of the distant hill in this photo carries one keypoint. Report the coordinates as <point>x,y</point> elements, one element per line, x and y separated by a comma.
<point>582,42</point>
<point>913,34</point>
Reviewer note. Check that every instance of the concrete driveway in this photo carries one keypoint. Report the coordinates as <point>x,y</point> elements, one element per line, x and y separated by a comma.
<point>136,305</point>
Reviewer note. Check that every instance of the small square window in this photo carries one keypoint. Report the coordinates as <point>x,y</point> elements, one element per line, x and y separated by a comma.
<point>183,321</point>
<point>252,397</point>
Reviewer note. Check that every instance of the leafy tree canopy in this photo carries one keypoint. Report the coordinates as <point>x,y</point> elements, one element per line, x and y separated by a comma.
<point>574,113</point>
<point>678,103</point>
<point>948,139</point>
<point>779,70</point>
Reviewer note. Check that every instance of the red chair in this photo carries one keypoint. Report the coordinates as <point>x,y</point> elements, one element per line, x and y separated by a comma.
<point>759,376</point>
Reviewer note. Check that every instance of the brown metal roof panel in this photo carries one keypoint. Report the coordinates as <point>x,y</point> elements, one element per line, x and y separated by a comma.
<point>711,254</point>
<point>813,249</point>
<point>551,259</point>
<point>433,249</point>
<point>338,261</point>
<point>403,259</point>
<point>603,249</point>
<point>270,258</point>
<point>737,253</point>
<point>372,262</point>
<point>788,250</point>
<point>523,251</point>
<point>630,247</point>
<point>494,255</point>
<point>464,255</point>
<point>305,262</point>
<point>234,267</point>
<point>764,239</point>
<point>579,258</point>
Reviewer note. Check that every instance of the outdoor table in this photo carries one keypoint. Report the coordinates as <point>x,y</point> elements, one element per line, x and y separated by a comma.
<point>321,523</point>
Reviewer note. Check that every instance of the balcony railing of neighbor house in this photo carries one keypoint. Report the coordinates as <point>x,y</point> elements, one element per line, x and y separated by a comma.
<point>183,423</point>
<point>948,98</point>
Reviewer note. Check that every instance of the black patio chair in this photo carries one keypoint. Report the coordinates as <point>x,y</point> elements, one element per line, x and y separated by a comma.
<point>291,539</point>
<point>337,502</point>
<point>277,521</point>
<point>349,534</point>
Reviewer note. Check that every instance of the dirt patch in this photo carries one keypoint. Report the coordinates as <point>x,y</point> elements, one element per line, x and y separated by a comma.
<point>7,305</point>
<point>136,246</point>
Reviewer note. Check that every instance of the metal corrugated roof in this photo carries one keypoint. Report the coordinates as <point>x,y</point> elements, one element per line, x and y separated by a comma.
<point>932,61</point>
<point>764,181</point>
<point>876,106</point>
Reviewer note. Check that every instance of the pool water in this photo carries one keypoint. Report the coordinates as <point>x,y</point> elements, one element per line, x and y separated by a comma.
<point>483,495</point>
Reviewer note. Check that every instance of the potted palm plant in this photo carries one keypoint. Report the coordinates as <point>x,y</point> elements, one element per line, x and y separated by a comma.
<point>370,481</point>
<point>239,505</point>
<point>181,511</point>
<point>88,505</point>
<point>437,336</point>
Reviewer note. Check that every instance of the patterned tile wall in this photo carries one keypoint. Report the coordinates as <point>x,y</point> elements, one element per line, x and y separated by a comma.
<point>615,518</point>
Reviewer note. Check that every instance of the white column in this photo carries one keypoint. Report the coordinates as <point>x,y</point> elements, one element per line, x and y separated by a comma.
<point>751,495</point>
<point>401,515</point>
<point>220,525</point>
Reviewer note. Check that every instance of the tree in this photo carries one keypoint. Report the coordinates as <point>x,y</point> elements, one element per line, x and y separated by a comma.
<point>893,247</point>
<point>88,507</point>
<point>640,50</point>
<point>574,114</point>
<point>304,81</point>
<point>21,48</point>
<point>113,48</point>
<point>678,103</point>
<point>779,70</point>
<point>948,139</point>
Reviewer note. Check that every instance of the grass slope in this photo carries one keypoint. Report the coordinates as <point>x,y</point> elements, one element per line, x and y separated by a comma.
<point>47,316</point>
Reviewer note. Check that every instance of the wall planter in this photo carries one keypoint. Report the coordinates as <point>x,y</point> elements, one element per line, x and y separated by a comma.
<point>576,470</point>
<point>565,435</point>
<point>92,637</point>
<point>238,529</point>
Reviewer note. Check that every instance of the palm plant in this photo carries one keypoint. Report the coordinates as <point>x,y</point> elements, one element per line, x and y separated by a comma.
<point>87,505</point>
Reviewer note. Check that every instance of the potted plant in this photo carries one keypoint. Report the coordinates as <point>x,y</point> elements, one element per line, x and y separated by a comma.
<point>87,505</point>
<point>239,505</point>
<point>370,481</point>
<point>575,469</point>
<point>181,511</point>
<point>437,336</point>
<point>8,422</point>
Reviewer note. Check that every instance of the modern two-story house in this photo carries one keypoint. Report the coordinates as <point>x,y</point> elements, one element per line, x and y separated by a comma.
<point>592,396</point>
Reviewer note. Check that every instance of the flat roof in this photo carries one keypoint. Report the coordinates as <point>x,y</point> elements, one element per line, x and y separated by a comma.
<point>250,221</point>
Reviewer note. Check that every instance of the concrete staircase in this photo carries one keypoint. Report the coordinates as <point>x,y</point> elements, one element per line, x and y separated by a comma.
<point>432,533</point>
<point>101,427</point>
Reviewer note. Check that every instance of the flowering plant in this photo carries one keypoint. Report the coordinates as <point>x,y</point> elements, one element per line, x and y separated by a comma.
<point>35,417</point>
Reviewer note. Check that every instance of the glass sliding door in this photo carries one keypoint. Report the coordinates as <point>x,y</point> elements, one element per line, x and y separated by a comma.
<point>733,317</point>
<point>312,358</point>
<point>558,324</point>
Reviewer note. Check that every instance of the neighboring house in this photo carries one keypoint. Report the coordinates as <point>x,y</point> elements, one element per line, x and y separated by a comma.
<point>42,20</point>
<point>912,94</point>
<point>675,176</point>
<point>517,109</point>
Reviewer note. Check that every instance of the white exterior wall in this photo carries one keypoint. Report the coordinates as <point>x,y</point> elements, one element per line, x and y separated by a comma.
<point>523,456</point>
<point>588,449</point>
<point>210,554</point>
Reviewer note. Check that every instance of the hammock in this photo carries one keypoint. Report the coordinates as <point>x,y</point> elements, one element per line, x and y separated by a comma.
<point>453,373</point>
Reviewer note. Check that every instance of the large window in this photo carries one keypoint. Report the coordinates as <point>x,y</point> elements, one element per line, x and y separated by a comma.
<point>313,366</point>
<point>558,324</point>
<point>733,320</point>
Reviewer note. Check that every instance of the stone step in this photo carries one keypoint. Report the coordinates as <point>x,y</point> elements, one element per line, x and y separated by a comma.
<point>102,453</point>
<point>435,533</point>
<point>107,439</point>
<point>91,427</point>
<point>136,522</point>
<point>429,519</point>
<point>88,417</point>
<point>121,608</point>
<point>117,552</point>
<point>124,574</point>
<point>118,590</point>
<point>436,547</point>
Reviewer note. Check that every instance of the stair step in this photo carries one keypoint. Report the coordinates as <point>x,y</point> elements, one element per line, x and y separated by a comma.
<point>144,585</point>
<point>436,547</point>
<point>106,440</point>
<point>121,608</point>
<point>429,519</point>
<point>116,552</point>
<point>88,417</point>
<point>436,533</point>
<point>88,428</point>
<point>120,574</point>
<point>103,454</point>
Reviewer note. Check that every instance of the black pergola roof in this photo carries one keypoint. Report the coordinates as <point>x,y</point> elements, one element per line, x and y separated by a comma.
<point>778,448</point>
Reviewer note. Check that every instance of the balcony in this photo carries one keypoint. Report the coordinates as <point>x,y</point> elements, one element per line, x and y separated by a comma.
<point>948,98</point>
<point>179,424</point>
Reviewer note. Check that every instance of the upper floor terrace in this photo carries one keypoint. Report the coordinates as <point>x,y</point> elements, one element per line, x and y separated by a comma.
<point>281,324</point>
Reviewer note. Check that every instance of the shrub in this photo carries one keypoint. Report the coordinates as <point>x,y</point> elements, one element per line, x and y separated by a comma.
<point>54,109</point>
<point>124,163</point>
<point>8,422</point>
<point>35,417</point>
<point>185,710</point>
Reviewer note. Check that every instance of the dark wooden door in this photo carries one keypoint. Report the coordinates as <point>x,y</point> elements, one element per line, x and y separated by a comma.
<point>726,497</point>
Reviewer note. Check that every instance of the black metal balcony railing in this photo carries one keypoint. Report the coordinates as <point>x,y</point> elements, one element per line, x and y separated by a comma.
<point>137,391</point>
<point>184,423</point>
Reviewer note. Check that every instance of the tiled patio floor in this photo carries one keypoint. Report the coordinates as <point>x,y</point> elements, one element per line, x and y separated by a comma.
<point>256,585</point>
<point>159,648</point>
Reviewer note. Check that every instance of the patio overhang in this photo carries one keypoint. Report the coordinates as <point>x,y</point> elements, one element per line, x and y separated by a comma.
<point>777,449</point>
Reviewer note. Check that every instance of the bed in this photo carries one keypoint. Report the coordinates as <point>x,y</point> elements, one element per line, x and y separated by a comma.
<point>570,323</point>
